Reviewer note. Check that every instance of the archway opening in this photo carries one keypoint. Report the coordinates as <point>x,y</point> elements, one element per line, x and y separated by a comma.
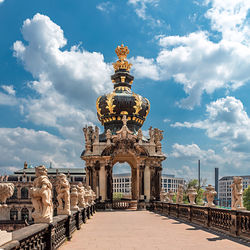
<point>121,175</point>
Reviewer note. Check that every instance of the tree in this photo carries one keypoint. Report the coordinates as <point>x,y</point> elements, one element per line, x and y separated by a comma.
<point>246,198</point>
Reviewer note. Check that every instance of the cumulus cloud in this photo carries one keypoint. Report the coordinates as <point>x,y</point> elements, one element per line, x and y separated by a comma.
<point>141,7</point>
<point>8,100</point>
<point>1,1</point>
<point>9,89</point>
<point>66,81</point>
<point>77,74</point>
<point>37,147</point>
<point>200,64</point>
<point>228,122</point>
<point>106,7</point>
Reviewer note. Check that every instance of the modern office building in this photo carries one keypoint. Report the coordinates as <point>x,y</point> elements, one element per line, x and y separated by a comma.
<point>122,183</point>
<point>225,194</point>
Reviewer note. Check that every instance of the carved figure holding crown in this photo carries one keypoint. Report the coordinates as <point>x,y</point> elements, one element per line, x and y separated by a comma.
<point>63,195</point>
<point>41,197</point>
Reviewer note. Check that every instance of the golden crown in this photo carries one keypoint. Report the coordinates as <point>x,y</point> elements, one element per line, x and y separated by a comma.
<point>122,52</point>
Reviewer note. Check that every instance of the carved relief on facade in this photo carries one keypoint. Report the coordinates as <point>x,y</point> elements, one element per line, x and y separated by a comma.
<point>41,197</point>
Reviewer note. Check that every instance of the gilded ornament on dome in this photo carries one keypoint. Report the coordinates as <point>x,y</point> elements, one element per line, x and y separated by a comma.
<point>122,65</point>
<point>148,109</point>
<point>138,103</point>
<point>122,52</point>
<point>110,100</point>
<point>97,106</point>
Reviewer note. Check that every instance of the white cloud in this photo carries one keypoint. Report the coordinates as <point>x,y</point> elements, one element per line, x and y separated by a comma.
<point>141,7</point>
<point>200,64</point>
<point>37,147</point>
<point>68,81</point>
<point>9,89</point>
<point>106,7</point>
<point>77,74</point>
<point>8,100</point>
<point>228,122</point>
<point>1,1</point>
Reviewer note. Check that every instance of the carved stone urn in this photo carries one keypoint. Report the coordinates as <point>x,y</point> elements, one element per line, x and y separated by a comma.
<point>210,193</point>
<point>192,193</point>
<point>74,199</point>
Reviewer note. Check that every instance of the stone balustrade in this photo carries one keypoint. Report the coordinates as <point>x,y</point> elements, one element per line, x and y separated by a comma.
<point>49,236</point>
<point>233,222</point>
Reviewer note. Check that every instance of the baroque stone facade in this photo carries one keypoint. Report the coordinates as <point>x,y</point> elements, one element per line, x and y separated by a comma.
<point>122,113</point>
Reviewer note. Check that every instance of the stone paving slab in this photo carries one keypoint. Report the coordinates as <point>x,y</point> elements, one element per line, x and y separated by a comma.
<point>145,230</point>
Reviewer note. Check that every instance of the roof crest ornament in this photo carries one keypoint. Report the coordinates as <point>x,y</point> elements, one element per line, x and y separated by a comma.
<point>122,52</point>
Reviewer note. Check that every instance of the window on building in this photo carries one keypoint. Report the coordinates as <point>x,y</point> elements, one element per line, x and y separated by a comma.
<point>14,196</point>
<point>24,193</point>
<point>13,214</point>
<point>24,213</point>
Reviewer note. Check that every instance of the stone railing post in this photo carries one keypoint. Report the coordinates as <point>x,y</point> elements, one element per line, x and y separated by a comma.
<point>68,233</point>
<point>177,210</point>
<point>190,209</point>
<point>234,228</point>
<point>77,216</point>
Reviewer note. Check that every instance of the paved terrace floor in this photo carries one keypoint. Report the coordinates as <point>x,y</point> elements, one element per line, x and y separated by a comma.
<point>145,230</point>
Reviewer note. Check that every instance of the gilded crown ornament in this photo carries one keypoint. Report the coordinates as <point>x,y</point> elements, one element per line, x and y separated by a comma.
<point>122,52</point>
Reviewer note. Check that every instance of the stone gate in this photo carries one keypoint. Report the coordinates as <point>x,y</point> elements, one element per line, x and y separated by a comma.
<point>122,113</point>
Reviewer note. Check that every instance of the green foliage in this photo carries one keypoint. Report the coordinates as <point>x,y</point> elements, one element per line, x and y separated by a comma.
<point>246,198</point>
<point>117,196</point>
<point>174,198</point>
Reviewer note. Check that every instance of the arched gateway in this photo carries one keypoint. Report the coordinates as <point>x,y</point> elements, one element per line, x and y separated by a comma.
<point>122,113</point>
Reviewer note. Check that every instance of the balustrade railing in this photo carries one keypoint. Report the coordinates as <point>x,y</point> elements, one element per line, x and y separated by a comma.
<point>49,236</point>
<point>233,222</point>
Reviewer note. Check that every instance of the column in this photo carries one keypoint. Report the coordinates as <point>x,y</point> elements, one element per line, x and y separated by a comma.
<point>87,176</point>
<point>94,180</point>
<point>141,193</point>
<point>109,183</point>
<point>147,182</point>
<point>138,182</point>
<point>103,182</point>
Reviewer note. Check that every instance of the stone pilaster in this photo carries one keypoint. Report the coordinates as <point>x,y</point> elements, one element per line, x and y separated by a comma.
<point>103,182</point>
<point>147,182</point>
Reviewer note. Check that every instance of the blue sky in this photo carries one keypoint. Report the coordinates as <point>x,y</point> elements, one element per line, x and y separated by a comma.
<point>190,59</point>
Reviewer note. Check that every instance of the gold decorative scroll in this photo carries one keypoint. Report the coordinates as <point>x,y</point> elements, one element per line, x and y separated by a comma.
<point>110,100</point>
<point>138,103</point>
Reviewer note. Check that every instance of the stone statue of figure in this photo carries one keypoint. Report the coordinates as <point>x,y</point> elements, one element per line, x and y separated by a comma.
<point>81,193</point>
<point>63,195</point>
<point>41,197</point>
<point>210,193</point>
<point>237,192</point>
<point>179,196</point>
<point>74,199</point>
<point>151,134</point>
<point>139,135</point>
<point>191,195</point>
<point>163,196</point>
<point>6,191</point>
<point>170,196</point>
<point>96,134</point>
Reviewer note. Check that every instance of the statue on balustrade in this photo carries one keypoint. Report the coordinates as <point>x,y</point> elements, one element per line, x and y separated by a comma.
<point>6,191</point>
<point>179,196</point>
<point>163,196</point>
<point>81,193</point>
<point>191,192</point>
<point>170,196</point>
<point>63,194</point>
<point>41,197</point>
<point>88,196</point>
<point>237,192</point>
<point>210,193</point>
<point>74,199</point>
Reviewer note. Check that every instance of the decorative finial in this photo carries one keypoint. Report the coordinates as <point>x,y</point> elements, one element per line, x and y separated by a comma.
<point>122,52</point>
<point>25,165</point>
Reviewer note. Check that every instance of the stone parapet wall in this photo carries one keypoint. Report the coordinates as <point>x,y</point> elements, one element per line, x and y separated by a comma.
<point>232,222</point>
<point>49,236</point>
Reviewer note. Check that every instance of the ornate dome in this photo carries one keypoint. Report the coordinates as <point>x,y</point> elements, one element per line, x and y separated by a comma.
<point>122,101</point>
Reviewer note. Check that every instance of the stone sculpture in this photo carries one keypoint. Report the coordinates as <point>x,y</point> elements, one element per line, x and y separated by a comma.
<point>170,196</point>
<point>163,196</point>
<point>63,195</point>
<point>41,197</point>
<point>237,192</point>
<point>81,193</point>
<point>74,199</point>
<point>179,196</point>
<point>191,195</point>
<point>210,193</point>
<point>6,191</point>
